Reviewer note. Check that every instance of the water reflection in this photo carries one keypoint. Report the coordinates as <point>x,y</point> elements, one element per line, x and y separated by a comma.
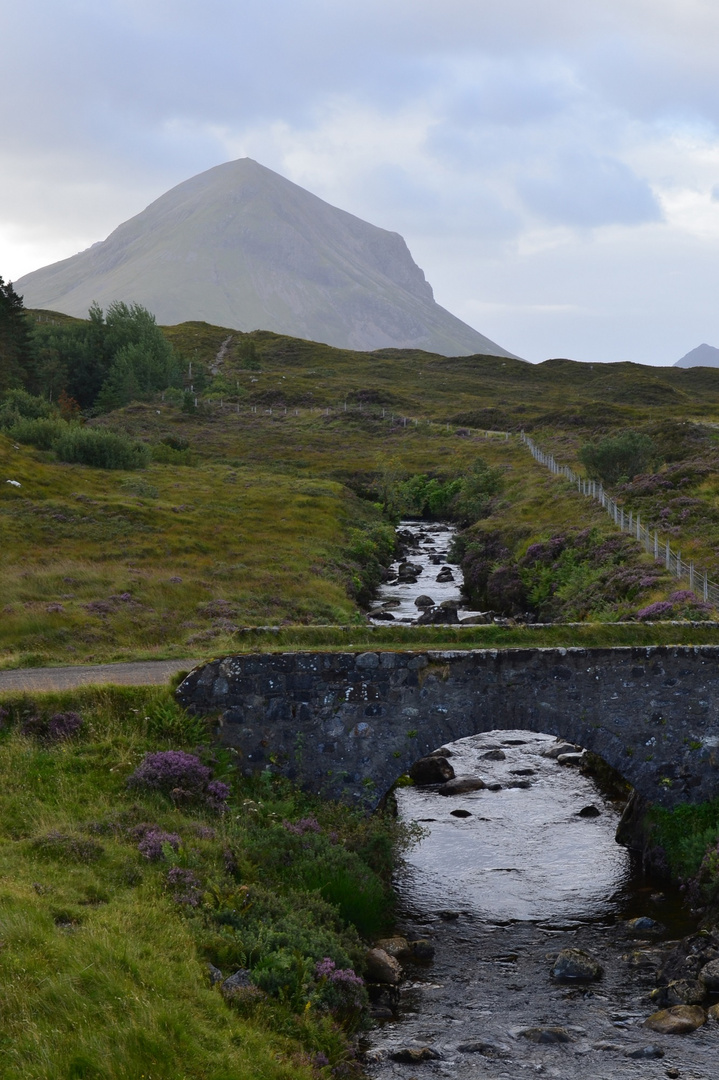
<point>524,853</point>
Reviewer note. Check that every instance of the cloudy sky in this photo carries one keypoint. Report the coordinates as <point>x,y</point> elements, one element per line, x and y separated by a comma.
<point>553,165</point>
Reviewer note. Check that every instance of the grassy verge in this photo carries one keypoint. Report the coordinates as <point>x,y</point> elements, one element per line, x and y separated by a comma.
<point>115,898</point>
<point>559,635</point>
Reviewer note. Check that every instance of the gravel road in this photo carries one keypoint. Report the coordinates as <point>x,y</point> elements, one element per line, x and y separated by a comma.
<point>137,673</point>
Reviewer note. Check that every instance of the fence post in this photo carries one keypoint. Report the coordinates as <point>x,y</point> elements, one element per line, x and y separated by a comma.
<point>679,564</point>
<point>656,545</point>
<point>668,556</point>
<point>691,576</point>
<point>706,585</point>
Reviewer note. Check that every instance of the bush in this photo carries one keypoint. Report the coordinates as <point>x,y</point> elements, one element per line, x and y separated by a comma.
<point>19,405</point>
<point>180,776</point>
<point>41,433</point>
<point>619,458</point>
<point>52,729</point>
<point>101,449</point>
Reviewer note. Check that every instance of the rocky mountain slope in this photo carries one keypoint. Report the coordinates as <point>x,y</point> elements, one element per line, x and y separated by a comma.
<point>241,246</point>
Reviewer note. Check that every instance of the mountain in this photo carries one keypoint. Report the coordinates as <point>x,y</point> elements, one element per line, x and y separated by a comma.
<point>241,246</point>
<point>702,356</point>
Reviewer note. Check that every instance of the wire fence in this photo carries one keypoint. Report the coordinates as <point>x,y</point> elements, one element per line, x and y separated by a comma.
<point>627,521</point>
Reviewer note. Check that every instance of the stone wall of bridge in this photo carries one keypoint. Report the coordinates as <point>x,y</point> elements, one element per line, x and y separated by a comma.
<point>347,725</point>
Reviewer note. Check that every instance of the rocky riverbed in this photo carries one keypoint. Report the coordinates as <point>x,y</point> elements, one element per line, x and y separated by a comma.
<point>422,586</point>
<point>507,878</point>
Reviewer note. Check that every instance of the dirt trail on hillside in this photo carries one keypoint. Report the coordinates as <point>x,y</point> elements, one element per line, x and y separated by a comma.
<point>136,673</point>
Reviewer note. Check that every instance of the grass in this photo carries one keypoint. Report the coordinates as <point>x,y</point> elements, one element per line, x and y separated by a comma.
<point>272,519</point>
<point>103,973</point>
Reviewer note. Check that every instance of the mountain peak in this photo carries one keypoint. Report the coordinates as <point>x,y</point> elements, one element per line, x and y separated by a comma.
<point>241,246</point>
<point>703,356</point>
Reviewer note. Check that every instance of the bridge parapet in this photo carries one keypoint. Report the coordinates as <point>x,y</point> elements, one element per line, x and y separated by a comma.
<point>346,725</point>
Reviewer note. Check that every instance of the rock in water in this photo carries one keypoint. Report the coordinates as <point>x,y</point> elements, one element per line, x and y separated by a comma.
<point>414,1055</point>
<point>431,770</point>
<point>680,992</point>
<point>398,947</point>
<point>575,965</point>
<point>382,968</point>
<point>545,1035</point>
<point>709,975</point>
<point>679,1020</point>
<point>460,785</point>
<point>558,749</point>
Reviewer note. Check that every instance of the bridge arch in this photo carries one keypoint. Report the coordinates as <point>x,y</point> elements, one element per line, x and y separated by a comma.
<point>346,725</point>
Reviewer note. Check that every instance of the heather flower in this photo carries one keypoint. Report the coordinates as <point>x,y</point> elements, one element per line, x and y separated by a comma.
<point>52,729</point>
<point>662,609</point>
<point>180,776</point>
<point>216,795</point>
<point>341,991</point>
<point>171,772</point>
<point>304,825</point>
<point>155,842</point>
<point>187,888</point>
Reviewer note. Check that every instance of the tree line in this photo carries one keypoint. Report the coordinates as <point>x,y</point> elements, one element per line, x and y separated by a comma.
<point>116,356</point>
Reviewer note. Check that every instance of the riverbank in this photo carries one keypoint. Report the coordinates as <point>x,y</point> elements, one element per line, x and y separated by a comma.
<point>165,916</point>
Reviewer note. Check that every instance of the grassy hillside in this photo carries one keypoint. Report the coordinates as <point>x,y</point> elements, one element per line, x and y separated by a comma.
<point>263,504</point>
<point>118,894</point>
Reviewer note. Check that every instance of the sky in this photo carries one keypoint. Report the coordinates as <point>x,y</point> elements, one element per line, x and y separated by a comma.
<point>553,166</point>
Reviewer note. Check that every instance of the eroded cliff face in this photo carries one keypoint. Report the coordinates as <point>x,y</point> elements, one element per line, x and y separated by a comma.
<point>241,246</point>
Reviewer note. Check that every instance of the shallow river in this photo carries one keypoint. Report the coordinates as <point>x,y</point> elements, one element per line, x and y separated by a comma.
<point>499,892</point>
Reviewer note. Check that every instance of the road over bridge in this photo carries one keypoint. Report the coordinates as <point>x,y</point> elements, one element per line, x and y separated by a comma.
<point>347,725</point>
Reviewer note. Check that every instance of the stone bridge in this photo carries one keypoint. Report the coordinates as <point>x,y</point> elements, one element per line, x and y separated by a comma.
<point>347,725</point>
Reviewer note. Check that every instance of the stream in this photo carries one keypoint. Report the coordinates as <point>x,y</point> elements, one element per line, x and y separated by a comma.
<point>502,880</point>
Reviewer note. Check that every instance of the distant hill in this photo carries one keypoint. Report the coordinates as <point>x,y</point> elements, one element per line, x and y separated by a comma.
<point>702,356</point>
<point>241,246</point>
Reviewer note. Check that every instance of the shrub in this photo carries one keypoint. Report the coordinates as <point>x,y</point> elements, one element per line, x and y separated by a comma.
<point>180,776</point>
<point>156,844</point>
<point>42,433</point>
<point>18,404</point>
<point>342,992</point>
<point>101,449</point>
<point>618,458</point>
<point>185,886</point>
<point>52,729</point>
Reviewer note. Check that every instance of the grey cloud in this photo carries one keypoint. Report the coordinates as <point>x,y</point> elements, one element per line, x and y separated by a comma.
<point>586,191</point>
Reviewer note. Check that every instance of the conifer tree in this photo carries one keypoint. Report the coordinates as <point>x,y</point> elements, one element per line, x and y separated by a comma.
<point>14,338</point>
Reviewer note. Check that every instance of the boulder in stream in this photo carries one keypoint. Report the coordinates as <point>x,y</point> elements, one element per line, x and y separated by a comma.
<point>680,992</point>
<point>397,946</point>
<point>438,616</point>
<point>494,755</point>
<point>431,770</point>
<point>424,601</point>
<point>382,968</point>
<point>709,975</point>
<point>558,749</point>
<point>679,1020</point>
<point>545,1035</point>
<point>575,965</point>
<point>460,785</point>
